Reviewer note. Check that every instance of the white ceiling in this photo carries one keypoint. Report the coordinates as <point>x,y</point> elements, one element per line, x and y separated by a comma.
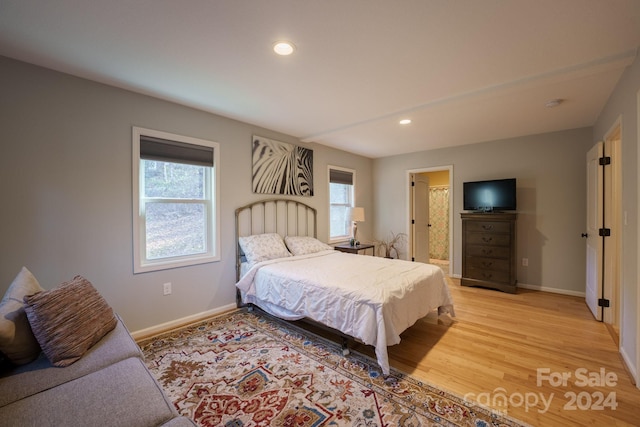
<point>464,71</point>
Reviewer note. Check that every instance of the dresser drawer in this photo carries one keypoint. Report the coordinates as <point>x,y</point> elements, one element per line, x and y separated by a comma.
<point>489,226</point>
<point>488,263</point>
<point>488,239</point>
<point>488,251</point>
<point>488,275</point>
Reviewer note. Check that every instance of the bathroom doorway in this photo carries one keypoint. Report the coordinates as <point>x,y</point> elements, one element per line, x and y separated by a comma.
<point>440,200</point>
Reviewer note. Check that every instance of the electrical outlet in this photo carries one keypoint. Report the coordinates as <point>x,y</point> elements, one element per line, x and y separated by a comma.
<point>525,262</point>
<point>167,288</point>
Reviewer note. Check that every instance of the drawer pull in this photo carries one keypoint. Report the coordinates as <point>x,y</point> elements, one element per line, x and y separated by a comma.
<point>487,239</point>
<point>487,226</point>
<point>486,251</point>
<point>487,264</point>
<point>487,275</point>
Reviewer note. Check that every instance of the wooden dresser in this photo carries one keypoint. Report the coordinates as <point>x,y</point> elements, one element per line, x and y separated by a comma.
<point>489,250</point>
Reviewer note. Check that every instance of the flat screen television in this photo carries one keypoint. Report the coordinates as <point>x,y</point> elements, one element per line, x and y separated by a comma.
<point>490,196</point>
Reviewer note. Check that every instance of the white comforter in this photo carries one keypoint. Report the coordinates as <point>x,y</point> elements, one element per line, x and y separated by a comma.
<point>369,298</point>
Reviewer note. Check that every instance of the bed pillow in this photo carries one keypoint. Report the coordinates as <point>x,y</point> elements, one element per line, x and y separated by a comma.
<point>263,247</point>
<point>69,319</point>
<point>17,342</point>
<point>302,245</point>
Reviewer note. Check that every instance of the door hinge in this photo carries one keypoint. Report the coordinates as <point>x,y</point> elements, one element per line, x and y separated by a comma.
<point>604,161</point>
<point>604,232</point>
<point>413,221</point>
<point>413,183</point>
<point>602,302</point>
<point>413,259</point>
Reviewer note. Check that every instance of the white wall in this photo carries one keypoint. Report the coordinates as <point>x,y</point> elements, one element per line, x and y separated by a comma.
<point>551,192</point>
<point>65,166</point>
<point>623,104</point>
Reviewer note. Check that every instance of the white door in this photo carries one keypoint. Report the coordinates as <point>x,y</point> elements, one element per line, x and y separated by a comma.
<point>613,221</point>
<point>420,217</point>
<point>594,223</point>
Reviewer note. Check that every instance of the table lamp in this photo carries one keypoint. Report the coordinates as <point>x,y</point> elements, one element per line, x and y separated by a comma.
<point>357,215</point>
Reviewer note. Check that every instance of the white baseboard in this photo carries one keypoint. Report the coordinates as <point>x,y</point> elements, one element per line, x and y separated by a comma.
<point>552,290</point>
<point>167,326</point>
<point>630,366</point>
<point>540,288</point>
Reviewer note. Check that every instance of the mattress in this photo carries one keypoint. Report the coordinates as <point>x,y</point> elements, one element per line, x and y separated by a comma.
<point>372,299</point>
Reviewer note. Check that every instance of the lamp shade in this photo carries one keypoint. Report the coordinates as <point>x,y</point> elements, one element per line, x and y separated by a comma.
<point>357,214</point>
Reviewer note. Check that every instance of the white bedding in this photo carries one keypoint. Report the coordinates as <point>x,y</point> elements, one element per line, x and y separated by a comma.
<point>369,298</point>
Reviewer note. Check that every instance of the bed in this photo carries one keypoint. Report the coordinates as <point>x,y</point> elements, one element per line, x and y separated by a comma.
<point>283,269</point>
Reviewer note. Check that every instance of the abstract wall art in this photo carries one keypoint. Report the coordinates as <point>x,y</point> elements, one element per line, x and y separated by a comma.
<point>281,168</point>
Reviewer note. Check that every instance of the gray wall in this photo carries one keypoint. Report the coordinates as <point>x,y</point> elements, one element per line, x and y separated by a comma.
<point>623,104</point>
<point>66,188</point>
<point>551,175</point>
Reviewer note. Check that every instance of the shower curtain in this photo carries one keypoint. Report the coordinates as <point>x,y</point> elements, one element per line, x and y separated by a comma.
<point>439,220</point>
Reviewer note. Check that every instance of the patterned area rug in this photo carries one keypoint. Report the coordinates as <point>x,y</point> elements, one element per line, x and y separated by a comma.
<point>249,369</point>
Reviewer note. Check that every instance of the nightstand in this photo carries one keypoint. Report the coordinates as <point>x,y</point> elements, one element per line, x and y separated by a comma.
<point>356,249</point>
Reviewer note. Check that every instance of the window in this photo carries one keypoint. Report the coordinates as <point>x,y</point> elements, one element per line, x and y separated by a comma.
<point>341,199</point>
<point>175,203</point>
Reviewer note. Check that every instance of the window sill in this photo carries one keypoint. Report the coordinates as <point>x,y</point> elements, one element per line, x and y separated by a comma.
<point>166,265</point>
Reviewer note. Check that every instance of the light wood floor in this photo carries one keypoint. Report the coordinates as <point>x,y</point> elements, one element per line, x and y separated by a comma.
<point>499,340</point>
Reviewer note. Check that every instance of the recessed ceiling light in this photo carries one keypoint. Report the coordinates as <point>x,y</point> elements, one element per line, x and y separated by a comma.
<point>553,102</point>
<point>283,48</point>
<point>405,121</point>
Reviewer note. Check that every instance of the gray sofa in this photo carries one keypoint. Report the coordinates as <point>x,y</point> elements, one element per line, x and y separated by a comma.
<point>109,386</point>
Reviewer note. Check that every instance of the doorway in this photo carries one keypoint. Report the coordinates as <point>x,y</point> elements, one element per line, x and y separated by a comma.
<point>439,199</point>
<point>604,226</point>
<point>613,219</point>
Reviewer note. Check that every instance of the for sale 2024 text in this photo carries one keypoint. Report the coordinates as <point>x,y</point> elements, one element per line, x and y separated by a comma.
<point>582,377</point>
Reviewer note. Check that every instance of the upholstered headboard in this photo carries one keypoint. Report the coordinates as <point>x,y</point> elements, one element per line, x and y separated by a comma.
<point>283,216</point>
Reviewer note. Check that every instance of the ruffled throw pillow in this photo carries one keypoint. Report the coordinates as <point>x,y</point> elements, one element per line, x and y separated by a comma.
<point>69,319</point>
